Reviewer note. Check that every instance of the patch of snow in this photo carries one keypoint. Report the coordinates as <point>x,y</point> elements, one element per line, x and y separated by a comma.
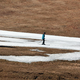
<point>11,38</point>
<point>36,50</point>
<point>51,57</point>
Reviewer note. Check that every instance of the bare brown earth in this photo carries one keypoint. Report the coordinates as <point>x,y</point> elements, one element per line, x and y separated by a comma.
<point>54,70</point>
<point>56,17</point>
<point>26,51</point>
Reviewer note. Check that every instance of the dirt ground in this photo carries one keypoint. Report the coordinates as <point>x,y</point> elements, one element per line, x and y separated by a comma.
<point>54,70</point>
<point>56,17</point>
<point>28,51</point>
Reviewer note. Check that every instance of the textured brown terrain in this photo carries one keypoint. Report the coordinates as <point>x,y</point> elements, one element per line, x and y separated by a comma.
<point>57,70</point>
<point>56,17</point>
<point>59,17</point>
<point>27,51</point>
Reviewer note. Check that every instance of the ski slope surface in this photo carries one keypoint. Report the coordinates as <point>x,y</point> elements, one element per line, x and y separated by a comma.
<point>21,39</point>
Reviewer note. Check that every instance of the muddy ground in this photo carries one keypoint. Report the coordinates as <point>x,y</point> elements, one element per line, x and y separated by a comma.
<point>56,17</point>
<point>54,70</point>
<point>60,17</point>
<point>28,51</point>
